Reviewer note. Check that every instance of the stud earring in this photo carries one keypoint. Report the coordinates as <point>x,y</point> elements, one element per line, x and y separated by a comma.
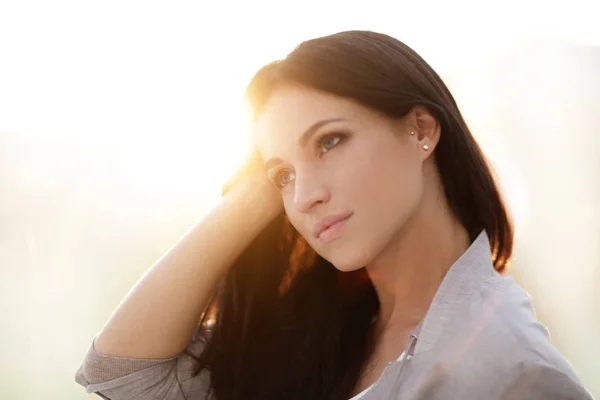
<point>412,133</point>
<point>425,147</point>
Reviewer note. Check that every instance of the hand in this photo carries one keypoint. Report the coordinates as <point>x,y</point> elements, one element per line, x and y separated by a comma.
<point>252,188</point>
<point>253,168</point>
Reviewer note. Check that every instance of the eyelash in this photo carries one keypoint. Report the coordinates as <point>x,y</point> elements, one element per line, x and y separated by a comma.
<point>319,147</point>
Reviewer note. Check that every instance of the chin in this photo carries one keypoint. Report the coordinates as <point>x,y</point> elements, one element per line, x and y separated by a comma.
<point>346,260</point>
<point>349,267</point>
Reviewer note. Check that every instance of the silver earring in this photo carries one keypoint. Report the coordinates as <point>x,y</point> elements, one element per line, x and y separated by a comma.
<point>412,133</point>
<point>425,147</point>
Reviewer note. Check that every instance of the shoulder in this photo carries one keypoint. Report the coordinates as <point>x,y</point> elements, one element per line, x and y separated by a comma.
<point>539,380</point>
<point>500,324</point>
<point>508,326</point>
<point>523,380</point>
<point>496,345</point>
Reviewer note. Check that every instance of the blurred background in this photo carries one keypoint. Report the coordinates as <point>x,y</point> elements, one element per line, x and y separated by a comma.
<point>119,121</point>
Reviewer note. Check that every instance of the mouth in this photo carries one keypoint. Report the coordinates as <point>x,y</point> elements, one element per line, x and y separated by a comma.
<point>331,227</point>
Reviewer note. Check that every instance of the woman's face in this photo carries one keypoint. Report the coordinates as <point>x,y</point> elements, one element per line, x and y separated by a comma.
<point>349,177</point>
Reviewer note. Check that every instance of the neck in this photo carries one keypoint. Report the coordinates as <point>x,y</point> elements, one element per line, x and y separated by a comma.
<point>409,271</point>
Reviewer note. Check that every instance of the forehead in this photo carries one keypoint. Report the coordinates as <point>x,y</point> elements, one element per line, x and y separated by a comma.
<point>291,109</point>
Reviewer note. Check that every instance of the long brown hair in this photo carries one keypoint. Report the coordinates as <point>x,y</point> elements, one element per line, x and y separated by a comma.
<point>287,324</point>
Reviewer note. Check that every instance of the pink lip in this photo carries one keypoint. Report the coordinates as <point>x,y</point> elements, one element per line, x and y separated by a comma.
<point>330,227</point>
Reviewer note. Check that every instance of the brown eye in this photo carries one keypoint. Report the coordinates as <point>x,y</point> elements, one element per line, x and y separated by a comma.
<point>329,141</point>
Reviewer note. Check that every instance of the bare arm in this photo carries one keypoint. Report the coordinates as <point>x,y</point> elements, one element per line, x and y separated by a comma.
<point>160,313</point>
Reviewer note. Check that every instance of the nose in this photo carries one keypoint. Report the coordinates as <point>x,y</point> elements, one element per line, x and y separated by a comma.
<point>309,192</point>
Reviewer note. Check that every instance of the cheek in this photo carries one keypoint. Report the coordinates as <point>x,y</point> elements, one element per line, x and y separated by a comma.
<point>400,185</point>
<point>382,187</point>
<point>384,193</point>
<point>398,194</point>
<point>387,181</point>
<point>298,220</point>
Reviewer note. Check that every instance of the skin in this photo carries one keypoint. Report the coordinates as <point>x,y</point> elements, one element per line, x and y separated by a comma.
<point>362,162</point>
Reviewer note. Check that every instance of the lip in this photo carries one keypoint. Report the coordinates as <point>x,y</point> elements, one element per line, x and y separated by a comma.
<point>326,222</point>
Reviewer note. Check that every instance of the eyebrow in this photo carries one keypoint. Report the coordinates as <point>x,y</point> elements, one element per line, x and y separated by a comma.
<point>304,139</point>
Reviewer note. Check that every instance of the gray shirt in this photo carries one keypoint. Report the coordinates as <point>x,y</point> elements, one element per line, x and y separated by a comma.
<point>479,340</point>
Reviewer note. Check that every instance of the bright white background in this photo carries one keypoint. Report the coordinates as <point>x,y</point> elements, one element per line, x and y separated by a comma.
<point>119,121</point>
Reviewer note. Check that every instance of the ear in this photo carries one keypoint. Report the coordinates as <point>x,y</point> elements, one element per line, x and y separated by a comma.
<point>426,129</point>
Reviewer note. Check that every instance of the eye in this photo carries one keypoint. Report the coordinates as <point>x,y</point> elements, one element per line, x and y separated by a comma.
<point>328,142</point>
<point>283,177</point>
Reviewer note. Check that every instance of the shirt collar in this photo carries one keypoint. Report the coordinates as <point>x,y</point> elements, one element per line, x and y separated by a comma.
<point>462,281</point>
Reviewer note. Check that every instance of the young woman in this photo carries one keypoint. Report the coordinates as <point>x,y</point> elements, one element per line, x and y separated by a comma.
<point>358,256</point>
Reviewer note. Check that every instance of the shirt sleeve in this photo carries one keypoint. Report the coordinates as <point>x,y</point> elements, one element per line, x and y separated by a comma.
<point>120,378</point>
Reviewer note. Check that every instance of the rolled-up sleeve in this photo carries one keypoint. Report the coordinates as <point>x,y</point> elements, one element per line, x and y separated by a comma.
<point>117,378</point>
